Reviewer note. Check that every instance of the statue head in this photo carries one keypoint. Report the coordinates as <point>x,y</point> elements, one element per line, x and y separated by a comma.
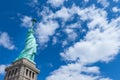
<point>33,22</point>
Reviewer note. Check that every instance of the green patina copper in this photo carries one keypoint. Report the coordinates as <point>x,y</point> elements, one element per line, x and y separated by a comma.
<point>30,46</point>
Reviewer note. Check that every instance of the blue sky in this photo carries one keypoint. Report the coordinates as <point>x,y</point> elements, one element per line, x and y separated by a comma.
<point>77,39</point>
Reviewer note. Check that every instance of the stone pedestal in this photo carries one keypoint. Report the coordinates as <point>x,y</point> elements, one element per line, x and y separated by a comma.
<point>21,70</point>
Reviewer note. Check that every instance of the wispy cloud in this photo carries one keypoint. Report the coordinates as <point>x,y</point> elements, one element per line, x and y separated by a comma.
<point>99,44</point>
<point>86,0</point>
<point>104,3</point>
<point>26,21</point>
<point>32,3</point>
<point>56,3</point>
<point>116,9</point>
<point>88,50</point>
<point>2,68</point>
<point>63,13</point>
<point>76,72</point>
<point>45,30</point>
<point>115,0</point>
<point>5,41</point>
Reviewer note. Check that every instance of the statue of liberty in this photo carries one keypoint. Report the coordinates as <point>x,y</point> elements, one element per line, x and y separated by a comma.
<point>30,46</point>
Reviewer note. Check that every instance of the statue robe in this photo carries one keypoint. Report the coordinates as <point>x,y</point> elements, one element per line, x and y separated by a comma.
<point>30,47</point>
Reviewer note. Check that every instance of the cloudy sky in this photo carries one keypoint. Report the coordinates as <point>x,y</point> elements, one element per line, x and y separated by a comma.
<point>77,39</point>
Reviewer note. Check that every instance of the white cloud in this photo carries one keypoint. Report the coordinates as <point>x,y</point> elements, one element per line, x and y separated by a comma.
<point>75,25</point>
<point>46,14</point>
<point>115,0</point>
<point>2,69</point>
<point>54,40</point>
<point>72,36</point>
<point>5,41</point>
<point>64,43</point>
<point>66,14</point>
<point>98,36</point>
<point>89,50</point>
<point>26,21</point>
<point>68,30</point>
<point>86,0</point>
<point>32,3</point>
<point>102,37</point>
<point>101,43</point>
<point>104,3</point>
<point>49,16</point>
<point>35,1</point>
<point>63,13</point>
<point>46,27</point>
<point>45,30</point>
<point>116,9</point>
<point>76,72</point>
<point>56,3</point>
<point>92,13</point>
<point>93,69</point>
